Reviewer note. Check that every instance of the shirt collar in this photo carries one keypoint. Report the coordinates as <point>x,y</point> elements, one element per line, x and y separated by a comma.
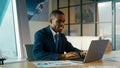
<point>53,32</point>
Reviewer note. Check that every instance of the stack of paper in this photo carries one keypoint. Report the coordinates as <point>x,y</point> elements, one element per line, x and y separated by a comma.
<point>54,63</point>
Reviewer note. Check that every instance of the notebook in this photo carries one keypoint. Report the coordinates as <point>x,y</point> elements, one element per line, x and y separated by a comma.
<point>96,51</point>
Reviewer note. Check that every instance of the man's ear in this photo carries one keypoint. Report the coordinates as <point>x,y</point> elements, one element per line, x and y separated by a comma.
<point>50,21</point>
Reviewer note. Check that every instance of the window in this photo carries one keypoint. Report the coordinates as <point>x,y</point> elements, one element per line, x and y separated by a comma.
<point>80,17</point>
<point>105,19</point>
<point>7,33</point>
<point>102,18</point>
<point>117,6</point>
<point>112,31</point>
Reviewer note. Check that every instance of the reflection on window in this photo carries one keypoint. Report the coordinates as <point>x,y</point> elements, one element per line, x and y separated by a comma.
<point>75,15</point>
<point>74,2</point>
<point>75,30</point>
<point>65,11</point>
<point>7,35</point>
<point>105,19</point>
<point>118,25</point>
<point>63,3</point>
<point>88,12</point>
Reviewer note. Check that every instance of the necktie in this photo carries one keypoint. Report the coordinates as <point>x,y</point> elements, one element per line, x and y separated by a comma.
<point>56,41</point>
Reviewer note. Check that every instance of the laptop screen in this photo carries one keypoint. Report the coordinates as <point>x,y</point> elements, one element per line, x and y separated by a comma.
<point>96,50</point>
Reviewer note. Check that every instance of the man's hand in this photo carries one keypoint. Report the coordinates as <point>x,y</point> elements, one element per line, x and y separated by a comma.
<point>82,54</point>
<point>69,55</point>
<point>72,55</point>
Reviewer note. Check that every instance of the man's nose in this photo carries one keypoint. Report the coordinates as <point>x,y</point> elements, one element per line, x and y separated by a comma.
<point>61,26</point>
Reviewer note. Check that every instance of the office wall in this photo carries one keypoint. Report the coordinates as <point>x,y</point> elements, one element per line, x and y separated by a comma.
<point>35,26</point>
<point>23,36</point>
<point>25,28</point>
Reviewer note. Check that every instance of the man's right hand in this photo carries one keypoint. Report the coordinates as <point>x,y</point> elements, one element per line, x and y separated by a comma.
<point>69,55</point>
<point>83,54</point>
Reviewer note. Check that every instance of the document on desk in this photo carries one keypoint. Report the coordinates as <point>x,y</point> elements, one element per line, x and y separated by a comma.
<point>112,58</point>
<point>102,67</point>
<point>54,63</point>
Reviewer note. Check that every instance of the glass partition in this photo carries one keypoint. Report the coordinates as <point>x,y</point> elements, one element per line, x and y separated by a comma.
<point>7,34</point>
<point>117,5</point>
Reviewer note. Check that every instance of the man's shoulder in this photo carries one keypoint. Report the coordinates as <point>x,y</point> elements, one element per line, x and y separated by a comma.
<point>62,34</point>
<point>43,31</point>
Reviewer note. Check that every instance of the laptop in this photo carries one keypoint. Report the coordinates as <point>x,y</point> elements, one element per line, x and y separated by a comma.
<point>95,51</point>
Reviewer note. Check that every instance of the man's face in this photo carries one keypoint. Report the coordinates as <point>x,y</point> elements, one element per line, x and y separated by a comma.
<point>58,22</point>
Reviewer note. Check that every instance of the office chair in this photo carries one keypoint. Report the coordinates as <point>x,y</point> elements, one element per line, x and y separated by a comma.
<point>28,48</point>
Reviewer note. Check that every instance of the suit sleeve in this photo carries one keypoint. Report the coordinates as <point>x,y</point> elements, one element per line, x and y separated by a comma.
<point>38,49</point>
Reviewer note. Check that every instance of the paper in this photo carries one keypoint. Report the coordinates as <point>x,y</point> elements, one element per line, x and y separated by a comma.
<point>102,67</point>
<point>114,57</point>
<point>54,63</point>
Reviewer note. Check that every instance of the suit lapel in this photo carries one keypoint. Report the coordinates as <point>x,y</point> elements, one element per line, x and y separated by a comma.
<point>50,39</point>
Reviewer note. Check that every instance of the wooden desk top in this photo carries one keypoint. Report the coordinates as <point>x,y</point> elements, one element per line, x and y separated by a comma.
<point>106,61</point>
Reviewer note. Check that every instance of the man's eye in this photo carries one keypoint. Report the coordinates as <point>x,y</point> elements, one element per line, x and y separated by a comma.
<point>60,21</point>
<point>64,21</point>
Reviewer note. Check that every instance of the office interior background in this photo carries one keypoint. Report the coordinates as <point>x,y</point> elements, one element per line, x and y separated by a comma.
<point>83,18</point>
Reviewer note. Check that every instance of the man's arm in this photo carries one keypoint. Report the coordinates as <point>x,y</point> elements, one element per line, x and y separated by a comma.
<point>72,52</point>
<point>38,49</point>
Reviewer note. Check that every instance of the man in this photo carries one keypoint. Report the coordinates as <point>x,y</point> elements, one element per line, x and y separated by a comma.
<point>45,47</point>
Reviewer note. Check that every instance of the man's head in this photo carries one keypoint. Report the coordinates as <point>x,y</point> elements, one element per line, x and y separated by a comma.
<point>57,20</point>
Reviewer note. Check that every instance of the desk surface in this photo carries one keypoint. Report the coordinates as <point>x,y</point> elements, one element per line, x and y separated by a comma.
<point>106,61</point>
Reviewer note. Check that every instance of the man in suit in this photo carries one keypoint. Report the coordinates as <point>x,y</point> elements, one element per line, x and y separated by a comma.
<point>46,47</point>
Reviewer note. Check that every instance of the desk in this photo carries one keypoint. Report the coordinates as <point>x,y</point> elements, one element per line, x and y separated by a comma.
<point>102,62</point>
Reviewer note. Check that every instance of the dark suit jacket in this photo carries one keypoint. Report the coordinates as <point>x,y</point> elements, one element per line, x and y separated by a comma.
<point>44,46</point>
